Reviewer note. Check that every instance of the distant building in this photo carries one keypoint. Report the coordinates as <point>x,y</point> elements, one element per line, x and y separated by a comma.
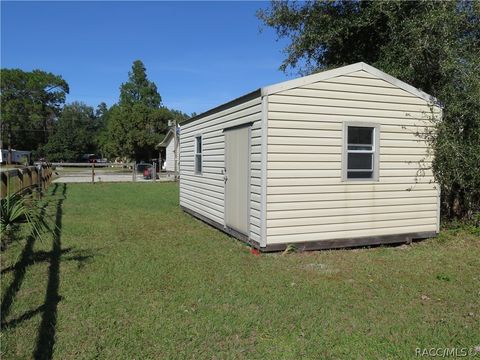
<point>18,156</point>
<point>171,151</point>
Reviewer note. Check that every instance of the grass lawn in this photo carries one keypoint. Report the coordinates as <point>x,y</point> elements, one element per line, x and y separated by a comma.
<point>128,275</point>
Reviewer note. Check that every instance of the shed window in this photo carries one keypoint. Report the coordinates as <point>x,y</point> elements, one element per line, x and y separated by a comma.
<point>361,152</point>
<point>198,155</point>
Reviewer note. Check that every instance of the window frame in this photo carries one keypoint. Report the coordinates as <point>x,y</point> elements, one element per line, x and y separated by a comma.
<point>375,151</point>
<point>195,154</point>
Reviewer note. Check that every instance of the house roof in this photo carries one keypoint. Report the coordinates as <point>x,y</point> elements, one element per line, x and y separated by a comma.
<point>166,139</point>
<point>324,75</point>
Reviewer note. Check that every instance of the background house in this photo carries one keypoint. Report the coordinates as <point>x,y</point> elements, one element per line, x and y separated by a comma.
<point>170,146</point>
<point>328,160</point>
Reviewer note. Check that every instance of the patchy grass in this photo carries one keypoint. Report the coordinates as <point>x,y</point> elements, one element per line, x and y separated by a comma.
<point>129,276</point>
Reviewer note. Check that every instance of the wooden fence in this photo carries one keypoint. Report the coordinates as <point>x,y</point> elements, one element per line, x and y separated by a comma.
<point>28,177</point>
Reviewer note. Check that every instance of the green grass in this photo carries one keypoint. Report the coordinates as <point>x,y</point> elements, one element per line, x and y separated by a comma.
<point>130,276</point>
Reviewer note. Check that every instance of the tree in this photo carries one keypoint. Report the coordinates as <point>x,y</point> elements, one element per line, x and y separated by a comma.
<point>434,46</point>
<point>31,101</point>
<point>74,135</point>
<point>138,89</point>
<point>138,122</point>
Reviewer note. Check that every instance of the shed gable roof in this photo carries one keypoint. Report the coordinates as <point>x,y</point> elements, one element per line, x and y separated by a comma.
<point>320,76</point>
<point>344,70</point>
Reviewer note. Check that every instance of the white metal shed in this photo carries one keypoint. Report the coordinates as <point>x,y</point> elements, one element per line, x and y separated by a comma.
<point>330,160</point>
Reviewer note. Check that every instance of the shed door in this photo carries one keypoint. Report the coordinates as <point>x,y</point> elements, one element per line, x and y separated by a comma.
<point>237,166</point>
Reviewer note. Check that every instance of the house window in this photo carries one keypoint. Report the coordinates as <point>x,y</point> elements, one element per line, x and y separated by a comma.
<point>198,155</point>
<point>361,152</point>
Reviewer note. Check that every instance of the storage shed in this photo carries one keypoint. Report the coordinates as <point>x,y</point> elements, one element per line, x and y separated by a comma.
<point>334,159</point>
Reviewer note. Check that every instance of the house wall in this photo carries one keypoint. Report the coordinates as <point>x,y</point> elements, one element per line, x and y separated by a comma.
<point>170,155</point>
<point>204,193</point>
<point>306,198</point>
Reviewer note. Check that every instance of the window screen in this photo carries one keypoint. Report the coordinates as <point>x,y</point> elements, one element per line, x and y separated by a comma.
<point>360,152</point>
<point>198,155</point>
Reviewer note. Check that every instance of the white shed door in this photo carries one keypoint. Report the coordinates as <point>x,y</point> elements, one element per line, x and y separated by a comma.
<point>237,165</point>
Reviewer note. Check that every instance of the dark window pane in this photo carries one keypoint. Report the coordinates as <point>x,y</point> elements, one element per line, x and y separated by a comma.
<point>360,174</point>
<point>360,147</point>
<point>359,161</point>
<point>198,164</point>
<point>360,135</point>
<point>199,144</point>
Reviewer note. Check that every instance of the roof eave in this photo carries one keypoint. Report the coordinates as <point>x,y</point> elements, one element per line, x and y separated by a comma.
<point>165,140</point>
<point>241,99</point>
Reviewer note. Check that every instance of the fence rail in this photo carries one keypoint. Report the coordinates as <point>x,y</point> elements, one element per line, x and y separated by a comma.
<point>110,172</point>
<point>27,177</point>
<point>89,164</point>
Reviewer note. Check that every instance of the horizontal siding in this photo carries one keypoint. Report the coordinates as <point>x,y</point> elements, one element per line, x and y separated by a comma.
<point>306,199</point>
<point>375,187</point>
<point>333,111</point>
<point>309,181</point>
<point>339,233</point>
<point>309,222</point>
<point>320,117</point>
<point>204,193</point>
<point>336,174</point>
<point>287,215</point>
<point>381,103</point>
<point>357,96</point>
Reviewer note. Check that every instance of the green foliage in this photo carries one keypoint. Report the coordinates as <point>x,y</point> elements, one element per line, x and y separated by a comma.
<point>434,46</point>
<point>138,122</point>
<point>133,132</point>
<point>16,210</point>
<point>291,248</point>
<point>75,134</point>
<point>31,101</point>
<point>138,89</point>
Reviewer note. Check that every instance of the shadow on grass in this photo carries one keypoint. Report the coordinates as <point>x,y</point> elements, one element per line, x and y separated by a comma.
<point>20,270</point>
<point>46,332</point>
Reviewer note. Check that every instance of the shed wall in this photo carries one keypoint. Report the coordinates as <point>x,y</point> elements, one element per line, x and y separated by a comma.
<point>306,198</point>
<point>205,193</point>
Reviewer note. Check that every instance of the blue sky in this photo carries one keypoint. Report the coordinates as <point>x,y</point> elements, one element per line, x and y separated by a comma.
<point>200,54</point>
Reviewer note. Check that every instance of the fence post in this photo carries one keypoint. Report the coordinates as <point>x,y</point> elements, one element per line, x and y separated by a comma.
<point>134,171</point>
<point>93,172</point>
<point>40,180</point>
<point>29,176</point>
<point>9,184</point>
<point>21,181</point>
<point>4,185</point>
<point>49,175</point>
<point>154,171</point>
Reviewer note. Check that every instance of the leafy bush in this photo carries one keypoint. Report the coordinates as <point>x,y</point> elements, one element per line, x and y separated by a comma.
<point>15,210</point>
